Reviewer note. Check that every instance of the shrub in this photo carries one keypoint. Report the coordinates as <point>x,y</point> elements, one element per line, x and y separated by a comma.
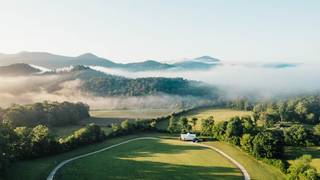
<point>246,142</point>
<point>301,169</point>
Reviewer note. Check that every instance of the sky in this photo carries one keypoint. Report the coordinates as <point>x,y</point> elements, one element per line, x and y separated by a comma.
<point>134,30</point>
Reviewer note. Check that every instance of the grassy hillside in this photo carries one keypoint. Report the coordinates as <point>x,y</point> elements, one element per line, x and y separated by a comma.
<point>203,113</point>
<point>152,159</point>
<point>256,169</point>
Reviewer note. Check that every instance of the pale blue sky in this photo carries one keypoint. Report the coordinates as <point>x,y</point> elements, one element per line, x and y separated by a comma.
<point>131,30</point>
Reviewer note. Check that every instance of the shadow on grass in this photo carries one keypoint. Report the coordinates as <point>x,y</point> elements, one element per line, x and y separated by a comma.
<point>292,153</point>
<point>116,164</point>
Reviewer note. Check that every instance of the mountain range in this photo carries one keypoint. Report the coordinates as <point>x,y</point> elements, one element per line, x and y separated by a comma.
<point>52,61</point>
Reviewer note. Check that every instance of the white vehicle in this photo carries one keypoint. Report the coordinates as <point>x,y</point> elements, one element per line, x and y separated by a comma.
<point>188,137</point>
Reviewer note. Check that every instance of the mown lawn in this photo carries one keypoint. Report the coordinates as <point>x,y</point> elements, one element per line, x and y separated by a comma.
<point>203,113</point>
<point>132,113</point>
<point>39,169</point>
<point>152,159</point>
<point>256,169</point>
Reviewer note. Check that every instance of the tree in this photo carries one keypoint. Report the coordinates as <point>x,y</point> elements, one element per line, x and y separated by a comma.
<point>219,130</point>
<point>302,170</point>
<point>316,130</point>
<point>207,126</point>
<point>173,125</point>
<point>194,122</point>
<point>184,124</point>
<point>248,125</point>
<point>246,142</point>
<point>234,127</point>
<point>43,142</point>
<point>296,135</point>
<point>267,145</point>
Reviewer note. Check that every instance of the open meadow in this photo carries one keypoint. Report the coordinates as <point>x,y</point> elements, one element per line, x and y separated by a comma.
<point>152,159</point>
<point>217,113</point>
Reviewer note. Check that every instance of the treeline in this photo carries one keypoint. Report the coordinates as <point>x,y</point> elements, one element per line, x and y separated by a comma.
<point>26,143</point>
<point>120,86</point>
<point>260,142</point>
<point>301,109</point>
<point>46,113</point>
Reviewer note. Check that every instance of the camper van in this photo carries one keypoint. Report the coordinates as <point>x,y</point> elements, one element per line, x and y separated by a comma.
<point>188,137</point>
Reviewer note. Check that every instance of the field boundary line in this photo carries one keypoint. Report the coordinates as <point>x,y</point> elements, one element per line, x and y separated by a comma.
<point>61,164</point>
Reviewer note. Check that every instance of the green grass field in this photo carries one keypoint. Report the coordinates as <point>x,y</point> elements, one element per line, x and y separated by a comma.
<point>203,113</point>
<point>257,170</point>
<point>293,153</point>
<point>152,159</point>
<point>39,169</point>
<point>108,117</point>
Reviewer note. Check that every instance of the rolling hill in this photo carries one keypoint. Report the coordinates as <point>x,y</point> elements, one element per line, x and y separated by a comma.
<point>53,61</point>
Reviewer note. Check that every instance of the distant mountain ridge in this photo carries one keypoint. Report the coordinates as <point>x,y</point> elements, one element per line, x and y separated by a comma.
<point>53,61</point>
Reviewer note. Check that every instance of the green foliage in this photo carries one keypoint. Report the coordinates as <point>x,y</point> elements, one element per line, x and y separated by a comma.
<point>207,126</point>
<point>234,127</point>
<point>278,163</point>
<point>120,86</point>
<point>267,145</point>
<point>219,130</point>
<point>303,109</point>
<point>184,124</point>
<point>316,130</point>
<point>173,126</point>
<point>302,170</point>
<point>87,135</point>
<point>49,114</point>
<point>8,140</point>
<point>296,135</point>
<point>246,142</point>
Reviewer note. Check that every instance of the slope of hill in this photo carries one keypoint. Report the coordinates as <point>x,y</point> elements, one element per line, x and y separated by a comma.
<point>203,62</point>
<point>20,69</point>
<point>101,84</point>
<point>53,61</point>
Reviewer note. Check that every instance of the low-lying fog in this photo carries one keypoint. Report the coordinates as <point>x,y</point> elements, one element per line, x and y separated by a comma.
<point>234,80</point>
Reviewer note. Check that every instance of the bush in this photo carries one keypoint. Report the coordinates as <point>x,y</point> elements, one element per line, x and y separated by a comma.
<point>301,169</point>
<point>278,163</point>
<point>246,143</point>
<point>90,134</point>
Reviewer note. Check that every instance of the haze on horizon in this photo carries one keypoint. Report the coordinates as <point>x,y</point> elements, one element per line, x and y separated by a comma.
<point>128,31</point>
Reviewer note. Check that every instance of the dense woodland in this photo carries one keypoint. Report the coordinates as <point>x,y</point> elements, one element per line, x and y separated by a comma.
<point>300,109</point>
<point>120,86</point>
<point>46,113</point>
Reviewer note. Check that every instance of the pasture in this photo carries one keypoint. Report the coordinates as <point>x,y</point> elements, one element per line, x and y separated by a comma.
<point>256,169</point>
<point>203,113</point>
<point>108,117</point>
<point>152,159</point>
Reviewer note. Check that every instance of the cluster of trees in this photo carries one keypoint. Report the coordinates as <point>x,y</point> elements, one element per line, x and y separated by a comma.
<point>46,113</point>
<point>303,110</point>
<point>128,127</point>
<point>25,143</point>
<point>243,104</point>
<point>120,86</point>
